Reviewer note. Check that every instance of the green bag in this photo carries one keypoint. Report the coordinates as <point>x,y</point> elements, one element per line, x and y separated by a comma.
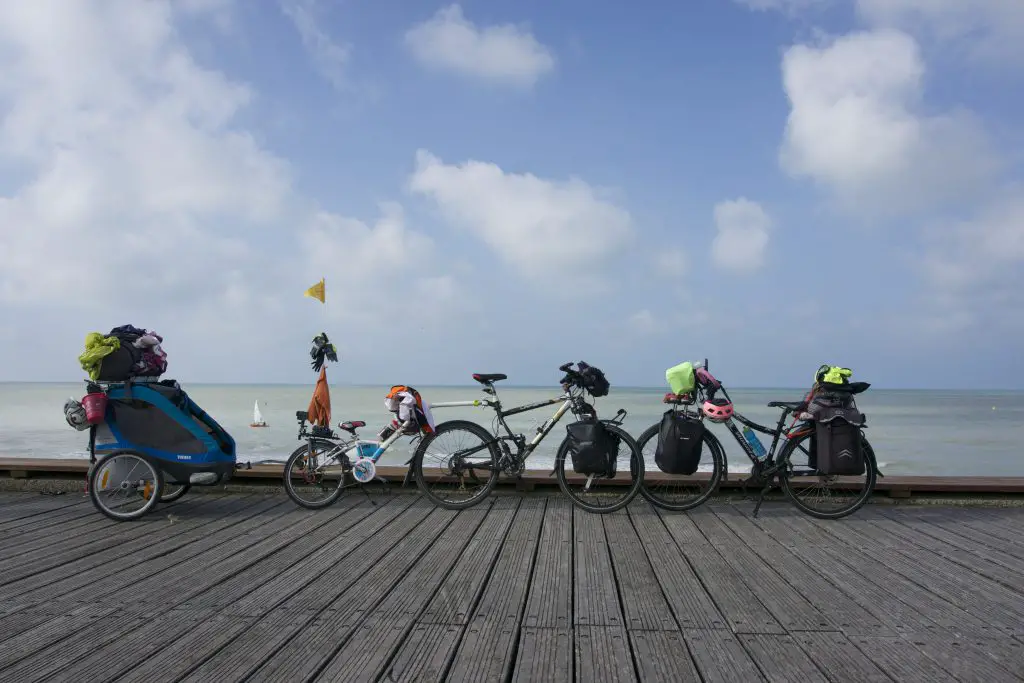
<point>680,378</point>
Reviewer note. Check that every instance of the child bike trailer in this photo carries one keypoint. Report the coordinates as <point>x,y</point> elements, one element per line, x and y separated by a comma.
<point>150,445</point>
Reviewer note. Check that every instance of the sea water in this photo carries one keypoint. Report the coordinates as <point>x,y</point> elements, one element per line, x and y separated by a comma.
<point>955,433</point>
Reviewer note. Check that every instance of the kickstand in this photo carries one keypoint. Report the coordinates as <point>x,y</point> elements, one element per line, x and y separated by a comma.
<point>367,493</point>
<point>760,499</point>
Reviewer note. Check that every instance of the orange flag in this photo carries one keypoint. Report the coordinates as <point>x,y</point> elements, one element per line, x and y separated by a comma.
<point>320,404</point>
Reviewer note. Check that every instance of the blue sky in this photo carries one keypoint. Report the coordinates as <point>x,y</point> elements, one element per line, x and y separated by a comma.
<point>504,187</point>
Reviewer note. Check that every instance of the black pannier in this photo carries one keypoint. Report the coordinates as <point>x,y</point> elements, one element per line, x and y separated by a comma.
<point>680,442</point>
<point>593,380</point>
<point>836,447</point>
<point>593,448</point>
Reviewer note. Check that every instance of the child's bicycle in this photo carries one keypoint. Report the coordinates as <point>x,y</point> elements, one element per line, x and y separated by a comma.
<point>319,471</point>
<point>791,457</point>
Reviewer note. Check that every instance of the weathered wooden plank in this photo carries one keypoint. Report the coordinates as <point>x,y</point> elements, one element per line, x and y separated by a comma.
<point>790,608</point>
<point>302,551</point>
<point>603,654</point>
<point>120,655</point>
<point>838,658</point>
<point>326,574</point>
<point>176,658</point>
<point>780,659</point>
<point>485,648</point>
<point>78,528</point>
<point>662,657</point>
<point>968,660</point>
<point>453,602</point>
<point>424,656</point>
<point>418,557</point>
<point>900,660</point>
<point>689,601</point>
<point>355,582</point>
<point>63,579</point>
<point>108,542</point>
<point>46,662</point>
<point>965,551</point>
<point>842,610</point>
<point>643,603</point>
<point>902,603</point>
<point>14,647</point>
<point>549,604</point>
<point>949,581</point>
<point>596,593</point>
<point>236,659</point>
<point>740,605</point>
<point>545,654</point>
<point>437,589</point>
<point>175,575</point>
<point>720,658</point>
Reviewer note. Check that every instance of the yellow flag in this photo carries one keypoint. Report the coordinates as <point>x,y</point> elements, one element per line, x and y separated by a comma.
<point>316,291</point>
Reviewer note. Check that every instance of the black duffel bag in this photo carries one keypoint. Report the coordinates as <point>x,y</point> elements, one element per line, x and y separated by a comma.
<point>680,442</point>
<point>594,450</point>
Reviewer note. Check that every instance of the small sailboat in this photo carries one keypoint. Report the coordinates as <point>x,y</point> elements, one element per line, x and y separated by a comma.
<point>257,417</point>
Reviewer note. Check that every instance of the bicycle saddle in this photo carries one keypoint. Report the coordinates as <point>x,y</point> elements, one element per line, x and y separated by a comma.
<point>487,378</point>
<point>351,426</point>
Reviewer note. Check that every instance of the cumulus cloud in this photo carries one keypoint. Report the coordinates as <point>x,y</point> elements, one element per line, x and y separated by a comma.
<point>742,235</point>
<point>139,198</point>
<point>504,53</point>
<point>544,228</point>
<point>329,56</point>
<point>990,31</point>
<point>857,127</point>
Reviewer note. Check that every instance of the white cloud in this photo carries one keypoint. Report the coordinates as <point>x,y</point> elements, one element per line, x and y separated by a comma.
<point>855,127</point>
<point>742,235</point>
<point>991,31</point>
<point>671,262</point>
<point>138,198</point>
<point>503,53</point>
<point>329,56</point>
<point>545,228</point>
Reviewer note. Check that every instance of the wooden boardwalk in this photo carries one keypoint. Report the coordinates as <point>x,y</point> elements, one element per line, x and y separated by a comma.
<point>252,588</point>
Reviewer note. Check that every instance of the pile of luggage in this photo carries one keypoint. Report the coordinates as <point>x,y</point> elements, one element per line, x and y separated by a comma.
<point>126,352</point>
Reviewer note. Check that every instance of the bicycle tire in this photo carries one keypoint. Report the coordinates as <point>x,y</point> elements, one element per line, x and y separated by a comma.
<point>717,456</point>
<point>871,467</point>
<point>288,485</point>
<point>636,470</point>
<point>173,495</point>
<point>449,426</point>
<point>154,496</point>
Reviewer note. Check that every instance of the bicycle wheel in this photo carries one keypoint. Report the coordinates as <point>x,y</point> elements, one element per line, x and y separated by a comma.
<point>125,485</point>
<point>810,482</point>
<point>620,494</point>
<point>678,492</point>
<point>455,466</point>
<point>314,474</point>
<point>173,492</point>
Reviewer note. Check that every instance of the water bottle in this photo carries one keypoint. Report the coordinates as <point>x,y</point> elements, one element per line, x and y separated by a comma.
<point>759,452</point>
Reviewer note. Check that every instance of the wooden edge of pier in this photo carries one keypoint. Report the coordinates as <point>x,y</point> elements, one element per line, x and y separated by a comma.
<point>891,486</point>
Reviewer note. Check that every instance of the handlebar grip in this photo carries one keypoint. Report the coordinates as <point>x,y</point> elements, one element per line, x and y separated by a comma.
<point>565,367</point>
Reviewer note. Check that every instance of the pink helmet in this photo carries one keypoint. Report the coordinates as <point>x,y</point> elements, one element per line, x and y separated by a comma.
<point>717,409</point>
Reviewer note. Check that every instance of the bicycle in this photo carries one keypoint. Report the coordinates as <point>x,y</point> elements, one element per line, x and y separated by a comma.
<point>351,456</point>
<point>775,462</point>
<point>498,457</point>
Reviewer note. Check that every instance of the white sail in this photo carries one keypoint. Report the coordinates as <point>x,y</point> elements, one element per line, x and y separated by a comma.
<point>257,418</point>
